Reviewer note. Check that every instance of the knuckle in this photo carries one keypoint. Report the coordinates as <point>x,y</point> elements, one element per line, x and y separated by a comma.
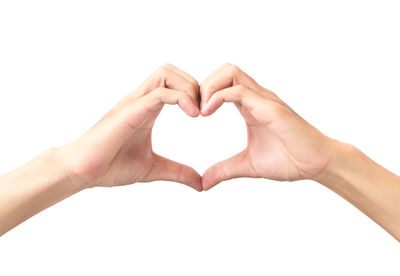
<point>227,64</point>
<point>195,83</point>
<point>167,65</point>
<point>163,71</point>
<point>235,69</point>
<point>235,74</point>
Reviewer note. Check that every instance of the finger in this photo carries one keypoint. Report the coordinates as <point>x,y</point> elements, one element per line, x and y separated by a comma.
<point>135,114</point>
<point>165,169</point>
<point>234,167</point>
<point>183,73</point>
<point>237,94</point>
<point>115,129</point>
<point>169,76</point>
<point>226,76</point>
<point>196,94</point>
<point>160,96</point>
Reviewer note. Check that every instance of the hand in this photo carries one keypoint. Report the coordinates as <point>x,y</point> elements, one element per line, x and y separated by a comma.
<point>118,150</point>
<point>281,145</point>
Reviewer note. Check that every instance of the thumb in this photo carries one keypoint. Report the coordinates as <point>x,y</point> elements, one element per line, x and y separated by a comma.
<point>165,169</point>
<point>234,167</point>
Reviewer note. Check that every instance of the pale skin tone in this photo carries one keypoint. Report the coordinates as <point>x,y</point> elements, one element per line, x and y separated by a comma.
<point>281,146</point>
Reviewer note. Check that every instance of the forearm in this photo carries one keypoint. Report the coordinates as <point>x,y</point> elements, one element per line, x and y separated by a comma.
<point>368,186</point>
<point>32,188</point>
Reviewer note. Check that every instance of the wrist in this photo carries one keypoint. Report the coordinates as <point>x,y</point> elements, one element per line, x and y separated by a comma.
<point>340,154</point>
<point>54,161</point>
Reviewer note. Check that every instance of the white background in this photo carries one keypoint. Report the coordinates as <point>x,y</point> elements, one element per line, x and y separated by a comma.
<point>63,64</point>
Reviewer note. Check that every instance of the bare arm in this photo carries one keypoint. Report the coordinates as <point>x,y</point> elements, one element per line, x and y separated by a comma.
<point>367,185</point>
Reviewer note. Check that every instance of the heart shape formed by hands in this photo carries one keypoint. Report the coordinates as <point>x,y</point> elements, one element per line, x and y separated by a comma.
<point>118,151</point>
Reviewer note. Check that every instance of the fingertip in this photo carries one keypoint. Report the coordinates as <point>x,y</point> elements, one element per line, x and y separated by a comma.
<point>208,179</point>
<point>194,113</point>
<point>197,184</point>
<point>205,109</point>
<point>210,107</point>
<point>191,178</point>
<point>199,189</point>
<point>204,95</point>
<point>207,186</point>
<point>204,113</point>
<point>189,107</point>
<point>201,105</point>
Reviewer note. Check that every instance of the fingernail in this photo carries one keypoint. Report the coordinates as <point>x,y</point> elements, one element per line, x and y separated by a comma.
<point>203,109</point>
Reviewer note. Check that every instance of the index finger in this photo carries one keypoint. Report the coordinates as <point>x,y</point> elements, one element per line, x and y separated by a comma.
<point>168,76</point>
<point>226,76</point>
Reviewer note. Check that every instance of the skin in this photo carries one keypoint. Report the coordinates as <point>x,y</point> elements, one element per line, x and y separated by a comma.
<point>281,146</point>
<point>116,151</point>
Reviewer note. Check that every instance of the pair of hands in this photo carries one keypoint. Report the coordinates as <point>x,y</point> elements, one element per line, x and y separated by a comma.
<point>281,146</point>
<point>118,150</point>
